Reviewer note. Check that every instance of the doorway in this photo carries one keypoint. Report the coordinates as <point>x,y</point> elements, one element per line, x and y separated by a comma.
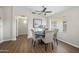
<point>21,26</point>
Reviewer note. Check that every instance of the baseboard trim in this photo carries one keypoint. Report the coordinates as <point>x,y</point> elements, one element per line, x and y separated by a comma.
<point>1,41</point>
<point>13,39</point>
<point>69,43</point>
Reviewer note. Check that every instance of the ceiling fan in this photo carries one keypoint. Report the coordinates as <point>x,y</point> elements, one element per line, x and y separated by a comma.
<point>44,11</point>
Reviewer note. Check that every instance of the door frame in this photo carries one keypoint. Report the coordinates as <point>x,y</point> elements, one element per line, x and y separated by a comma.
<point>17,18</point>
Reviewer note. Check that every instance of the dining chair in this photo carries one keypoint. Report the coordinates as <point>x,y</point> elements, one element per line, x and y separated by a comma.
<point>48,39</point>
<point>34,38</point>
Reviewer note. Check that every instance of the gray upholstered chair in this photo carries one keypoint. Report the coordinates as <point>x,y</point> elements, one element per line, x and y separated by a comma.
<point>48,38</point>
<point>34,39</point>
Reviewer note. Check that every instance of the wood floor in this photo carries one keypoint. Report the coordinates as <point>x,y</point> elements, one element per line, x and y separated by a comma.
<point>24,45</point>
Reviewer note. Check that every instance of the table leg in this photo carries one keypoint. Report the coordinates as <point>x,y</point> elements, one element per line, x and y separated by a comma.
<point>34,43</point>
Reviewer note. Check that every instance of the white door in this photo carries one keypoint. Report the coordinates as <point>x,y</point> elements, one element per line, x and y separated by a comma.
<point>1,30</point>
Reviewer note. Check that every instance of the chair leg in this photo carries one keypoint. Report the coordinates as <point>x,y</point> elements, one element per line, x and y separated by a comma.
<point>34,43</point>
<point>46,47</point>
<point>57,42</point>
<point>52,45</point>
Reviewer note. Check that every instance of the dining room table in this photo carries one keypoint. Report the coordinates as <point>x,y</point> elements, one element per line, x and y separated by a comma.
<point>39,34</point>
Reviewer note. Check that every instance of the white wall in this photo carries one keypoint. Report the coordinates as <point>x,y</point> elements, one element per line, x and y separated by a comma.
<point>49,22</point>
<point>7,23</point>
<point>71,36</point>
<point>6,16</point>
<point>1,31</point>
<point>1,25</point>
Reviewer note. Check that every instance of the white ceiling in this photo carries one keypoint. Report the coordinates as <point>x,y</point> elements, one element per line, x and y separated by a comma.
<point>54,9</point>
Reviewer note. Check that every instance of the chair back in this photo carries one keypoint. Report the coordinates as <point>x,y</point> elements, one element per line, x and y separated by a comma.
<point>49,36</point>
<point>33,34</point>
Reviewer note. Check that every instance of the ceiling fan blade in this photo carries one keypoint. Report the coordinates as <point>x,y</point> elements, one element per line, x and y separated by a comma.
<point>33,12</point>
<point>48,12</point>
<point>37,11</point>
<point>44,9</point>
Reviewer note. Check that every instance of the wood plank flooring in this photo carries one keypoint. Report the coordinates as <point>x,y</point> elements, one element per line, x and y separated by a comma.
<point>24,45</point>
